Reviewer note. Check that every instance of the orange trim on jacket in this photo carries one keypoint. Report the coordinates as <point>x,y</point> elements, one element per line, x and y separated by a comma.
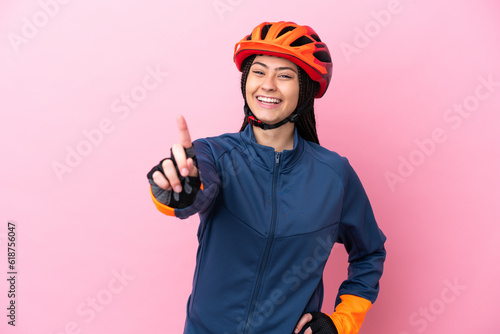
<point>350,314</point>
<point>165,209</point>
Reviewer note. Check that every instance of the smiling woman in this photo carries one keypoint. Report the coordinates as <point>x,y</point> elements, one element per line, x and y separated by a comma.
<point>272,93</point>
<point>278,79</point>
<point>259,269</point>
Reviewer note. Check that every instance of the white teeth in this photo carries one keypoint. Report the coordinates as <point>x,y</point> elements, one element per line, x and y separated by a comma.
<point>268,99</point>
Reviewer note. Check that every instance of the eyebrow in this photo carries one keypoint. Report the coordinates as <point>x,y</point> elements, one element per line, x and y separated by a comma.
<point>278,68</point>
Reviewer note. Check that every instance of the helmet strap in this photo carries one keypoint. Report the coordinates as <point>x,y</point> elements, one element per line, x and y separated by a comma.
<point>294,117</point>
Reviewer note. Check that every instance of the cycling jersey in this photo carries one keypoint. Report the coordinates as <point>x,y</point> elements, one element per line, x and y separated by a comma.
<point>268,222</point>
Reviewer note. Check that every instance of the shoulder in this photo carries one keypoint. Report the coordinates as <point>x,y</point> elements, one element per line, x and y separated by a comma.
<point>338,165</point>
<point>330,159</point>
<point>219,145</point>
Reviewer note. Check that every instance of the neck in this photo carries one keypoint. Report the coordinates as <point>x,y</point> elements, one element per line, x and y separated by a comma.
<point>280,138</point>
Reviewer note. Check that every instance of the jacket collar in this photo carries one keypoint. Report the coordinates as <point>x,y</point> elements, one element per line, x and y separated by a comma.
<point>265,155</point>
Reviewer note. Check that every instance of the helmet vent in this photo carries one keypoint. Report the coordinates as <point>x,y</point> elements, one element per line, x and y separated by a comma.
<point>285,30</point>
<point>301,41</point>
<point>316,38</point>
<point>249,37</point>
<point>264,31</point>
<point>323,56</point>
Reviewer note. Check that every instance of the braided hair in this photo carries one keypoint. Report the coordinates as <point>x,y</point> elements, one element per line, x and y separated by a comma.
<point>306,124</point>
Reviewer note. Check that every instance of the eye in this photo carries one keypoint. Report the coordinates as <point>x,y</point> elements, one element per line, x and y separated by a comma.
<point>258,72</point>
<point>285,76</point>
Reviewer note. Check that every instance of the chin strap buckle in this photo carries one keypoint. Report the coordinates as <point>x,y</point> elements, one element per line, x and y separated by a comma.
<point>255,122</point>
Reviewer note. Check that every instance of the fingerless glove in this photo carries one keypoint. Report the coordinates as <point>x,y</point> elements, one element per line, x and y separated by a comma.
<point>322,324</point>
<point>190,184</point>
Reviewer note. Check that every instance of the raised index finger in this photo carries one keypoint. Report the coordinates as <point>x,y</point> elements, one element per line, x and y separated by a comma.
<point>184,137</point>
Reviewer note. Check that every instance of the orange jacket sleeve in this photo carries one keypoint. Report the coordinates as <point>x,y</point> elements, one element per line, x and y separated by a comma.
<point>350,313</point>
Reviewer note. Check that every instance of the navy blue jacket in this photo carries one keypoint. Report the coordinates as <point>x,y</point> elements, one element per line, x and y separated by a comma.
<point>268,222</point>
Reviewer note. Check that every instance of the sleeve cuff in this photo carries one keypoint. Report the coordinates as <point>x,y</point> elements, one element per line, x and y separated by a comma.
<point>169,211</point>
<point>165,209</point>
<point>350,314</point>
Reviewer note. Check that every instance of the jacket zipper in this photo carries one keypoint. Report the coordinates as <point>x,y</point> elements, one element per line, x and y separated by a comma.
<point>269,243</point>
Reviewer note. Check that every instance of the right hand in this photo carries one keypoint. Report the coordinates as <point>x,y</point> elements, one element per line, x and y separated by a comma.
<point>186,166</point>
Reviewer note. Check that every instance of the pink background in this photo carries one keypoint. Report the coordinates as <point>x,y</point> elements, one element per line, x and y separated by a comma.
<point>400,67</point>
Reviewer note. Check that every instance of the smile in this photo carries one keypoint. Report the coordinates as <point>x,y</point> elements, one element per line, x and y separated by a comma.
<point>268,100</point>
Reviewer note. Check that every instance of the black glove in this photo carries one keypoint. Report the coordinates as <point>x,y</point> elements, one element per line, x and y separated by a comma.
<point>321,324</point>
<point>190,184</point>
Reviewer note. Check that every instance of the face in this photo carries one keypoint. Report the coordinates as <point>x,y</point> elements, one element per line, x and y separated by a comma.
<point>272,88</point>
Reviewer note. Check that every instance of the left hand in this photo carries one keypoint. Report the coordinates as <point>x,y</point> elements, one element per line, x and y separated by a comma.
<point>320,322</point>
<point>304,320</point>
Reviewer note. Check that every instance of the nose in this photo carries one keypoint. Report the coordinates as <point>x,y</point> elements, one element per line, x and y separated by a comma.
<point>269,83</point>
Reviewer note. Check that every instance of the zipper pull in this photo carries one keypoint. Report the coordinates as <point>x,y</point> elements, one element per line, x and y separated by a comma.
<point>277,156</point>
